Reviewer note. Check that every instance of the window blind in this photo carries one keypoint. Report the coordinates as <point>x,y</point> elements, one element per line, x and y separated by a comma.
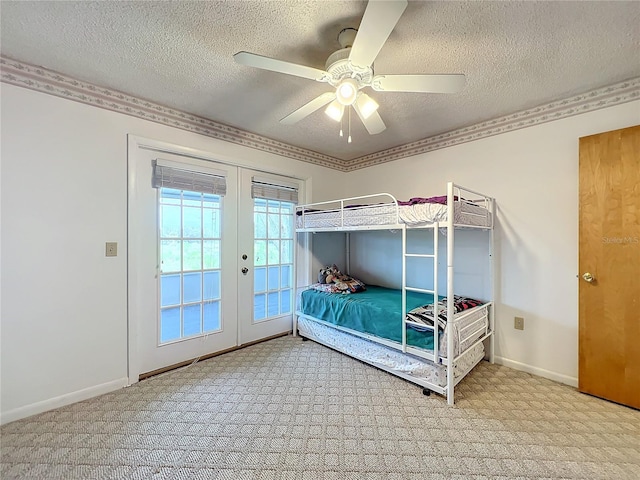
<point>270,191</point>
<point>165,176</point>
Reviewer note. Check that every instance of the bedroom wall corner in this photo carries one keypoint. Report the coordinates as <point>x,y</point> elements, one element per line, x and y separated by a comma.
<point>533,174</point>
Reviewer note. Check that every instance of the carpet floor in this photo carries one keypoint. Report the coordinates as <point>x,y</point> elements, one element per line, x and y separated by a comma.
<point>288,409</point>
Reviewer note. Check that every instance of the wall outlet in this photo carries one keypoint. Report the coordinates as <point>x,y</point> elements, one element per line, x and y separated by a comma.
<point>518,323</point>
<point>111,249</point>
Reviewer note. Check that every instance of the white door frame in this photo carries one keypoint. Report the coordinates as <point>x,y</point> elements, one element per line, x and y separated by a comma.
<point>134,143</point>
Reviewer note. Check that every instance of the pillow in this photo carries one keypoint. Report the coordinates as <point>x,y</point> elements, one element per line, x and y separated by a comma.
<point>424,314</point>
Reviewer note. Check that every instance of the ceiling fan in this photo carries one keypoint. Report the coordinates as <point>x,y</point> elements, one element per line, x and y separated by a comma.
<point>350,69</point>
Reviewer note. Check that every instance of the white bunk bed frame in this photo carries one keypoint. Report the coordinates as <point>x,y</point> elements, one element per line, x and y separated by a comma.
<point>463,195</point>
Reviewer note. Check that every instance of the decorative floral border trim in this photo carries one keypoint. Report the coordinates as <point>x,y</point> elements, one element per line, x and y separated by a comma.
<point>609,96</point>
<point>47,81</point>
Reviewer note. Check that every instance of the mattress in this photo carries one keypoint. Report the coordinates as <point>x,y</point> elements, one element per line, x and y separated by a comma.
<point>465,213</point>
<point>386,357</point>
<point>378,311</point>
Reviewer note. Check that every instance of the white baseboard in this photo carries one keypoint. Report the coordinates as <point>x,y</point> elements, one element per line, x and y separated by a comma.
<point>541,372</point>
<point>62,400</point>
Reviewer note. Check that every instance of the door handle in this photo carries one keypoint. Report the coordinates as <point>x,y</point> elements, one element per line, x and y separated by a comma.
<point>244,270</point>
<point>587,277</point>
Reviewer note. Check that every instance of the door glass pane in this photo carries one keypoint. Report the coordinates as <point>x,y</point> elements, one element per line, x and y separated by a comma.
<point>285,301</point>
<point>259,306</point>
<point>171,221</point>
<point>192,320</point>
<point>259,205</point>
<point>273,304</point>
<point>273,252</point>
<point>286,254</point>
<point>211,201</point>
<point>169,324</point>
<point>210,223</point>
<point>212,316</point>
<point>274,278</point>
<point>285,276</point>
<point>274,225</point>
<point>192,285</point>
<point>171,255</point>
<point>190,250</point>
<point>273,249</point>
<point>192,222</point>
<point>260,221</point>
<point>211,289</point>
<point>260,252</point>
<point>260,279</point>
<point>169,290</point>
<point>192,254</point>
<point>211,252</point>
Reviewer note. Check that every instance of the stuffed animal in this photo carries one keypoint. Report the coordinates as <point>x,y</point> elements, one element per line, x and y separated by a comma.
<point>329,274</point>
<point>338,282</point>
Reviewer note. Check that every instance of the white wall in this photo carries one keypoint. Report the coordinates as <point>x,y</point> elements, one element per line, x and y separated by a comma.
<point>533,174</point>
<point>63,195</point>
<point>471,261</point>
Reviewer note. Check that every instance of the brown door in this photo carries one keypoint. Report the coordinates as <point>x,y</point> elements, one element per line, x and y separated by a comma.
<point>609,262</point>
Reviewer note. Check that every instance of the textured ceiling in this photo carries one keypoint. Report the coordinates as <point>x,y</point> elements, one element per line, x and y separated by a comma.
<point>516,55</point>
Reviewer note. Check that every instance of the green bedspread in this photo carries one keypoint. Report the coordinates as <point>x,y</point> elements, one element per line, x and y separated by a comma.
<point>377,311</point>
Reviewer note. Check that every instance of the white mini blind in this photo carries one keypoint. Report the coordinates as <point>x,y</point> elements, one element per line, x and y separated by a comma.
<point>271,191</point>
<point>165,176</point>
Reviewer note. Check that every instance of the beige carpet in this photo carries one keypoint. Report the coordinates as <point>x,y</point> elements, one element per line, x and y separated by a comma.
<point>288,409</point>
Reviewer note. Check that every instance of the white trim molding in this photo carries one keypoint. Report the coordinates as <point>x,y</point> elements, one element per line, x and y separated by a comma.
<point>62,400</point>
<point>43,80</point>
<point>540,372</point>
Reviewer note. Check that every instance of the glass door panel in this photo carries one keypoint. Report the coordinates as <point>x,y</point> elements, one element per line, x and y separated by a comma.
<point>266,238</point>
<point>183,275</point>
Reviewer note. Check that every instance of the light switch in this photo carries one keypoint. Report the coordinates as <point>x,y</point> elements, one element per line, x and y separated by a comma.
<point>111,249</point>
<point>518,323</point>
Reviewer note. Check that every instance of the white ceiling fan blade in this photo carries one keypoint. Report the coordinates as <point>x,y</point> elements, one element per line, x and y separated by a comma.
<point>418,83</point>
<point>378,21</point>
<point>266,63</point>
<point>373,123</point>
<point>308,108</point>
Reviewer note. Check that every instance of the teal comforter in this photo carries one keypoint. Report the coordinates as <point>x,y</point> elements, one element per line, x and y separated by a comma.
<point>376,311</point>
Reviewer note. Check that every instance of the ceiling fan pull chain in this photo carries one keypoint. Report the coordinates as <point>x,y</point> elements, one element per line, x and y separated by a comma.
<point>349,139</point>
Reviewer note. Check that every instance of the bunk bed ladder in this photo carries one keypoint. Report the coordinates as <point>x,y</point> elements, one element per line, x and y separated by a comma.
<point>406,288</point>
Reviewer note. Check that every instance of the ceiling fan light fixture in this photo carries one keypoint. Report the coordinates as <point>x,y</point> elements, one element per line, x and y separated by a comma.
<point>335,110</point>
<point>347,91</point>
<point>367,105</point>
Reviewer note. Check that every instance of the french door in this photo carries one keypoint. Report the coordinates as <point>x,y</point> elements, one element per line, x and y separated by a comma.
<point>266,248</point>
<point>211,256</point>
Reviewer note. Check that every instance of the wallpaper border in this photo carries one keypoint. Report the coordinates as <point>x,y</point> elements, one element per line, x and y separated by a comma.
<point>604,97</point>
<point>40,79</point>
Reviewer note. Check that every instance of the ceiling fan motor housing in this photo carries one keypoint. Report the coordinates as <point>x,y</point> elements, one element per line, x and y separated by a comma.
<point>338,67</point>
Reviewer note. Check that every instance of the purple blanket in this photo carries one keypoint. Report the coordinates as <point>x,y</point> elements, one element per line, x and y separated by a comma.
<point>416,200</point>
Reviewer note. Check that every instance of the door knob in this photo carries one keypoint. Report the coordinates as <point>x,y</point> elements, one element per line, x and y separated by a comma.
<point>244,270</point>
<point>587,277</point>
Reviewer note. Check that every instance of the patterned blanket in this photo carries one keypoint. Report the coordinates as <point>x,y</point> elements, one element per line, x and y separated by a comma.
<point>424,314</point>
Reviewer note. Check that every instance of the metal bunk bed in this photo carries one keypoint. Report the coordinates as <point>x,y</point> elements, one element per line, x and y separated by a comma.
<point>464,209</point>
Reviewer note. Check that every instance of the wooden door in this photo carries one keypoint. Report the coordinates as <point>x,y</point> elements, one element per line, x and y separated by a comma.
<point>609,250</point>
